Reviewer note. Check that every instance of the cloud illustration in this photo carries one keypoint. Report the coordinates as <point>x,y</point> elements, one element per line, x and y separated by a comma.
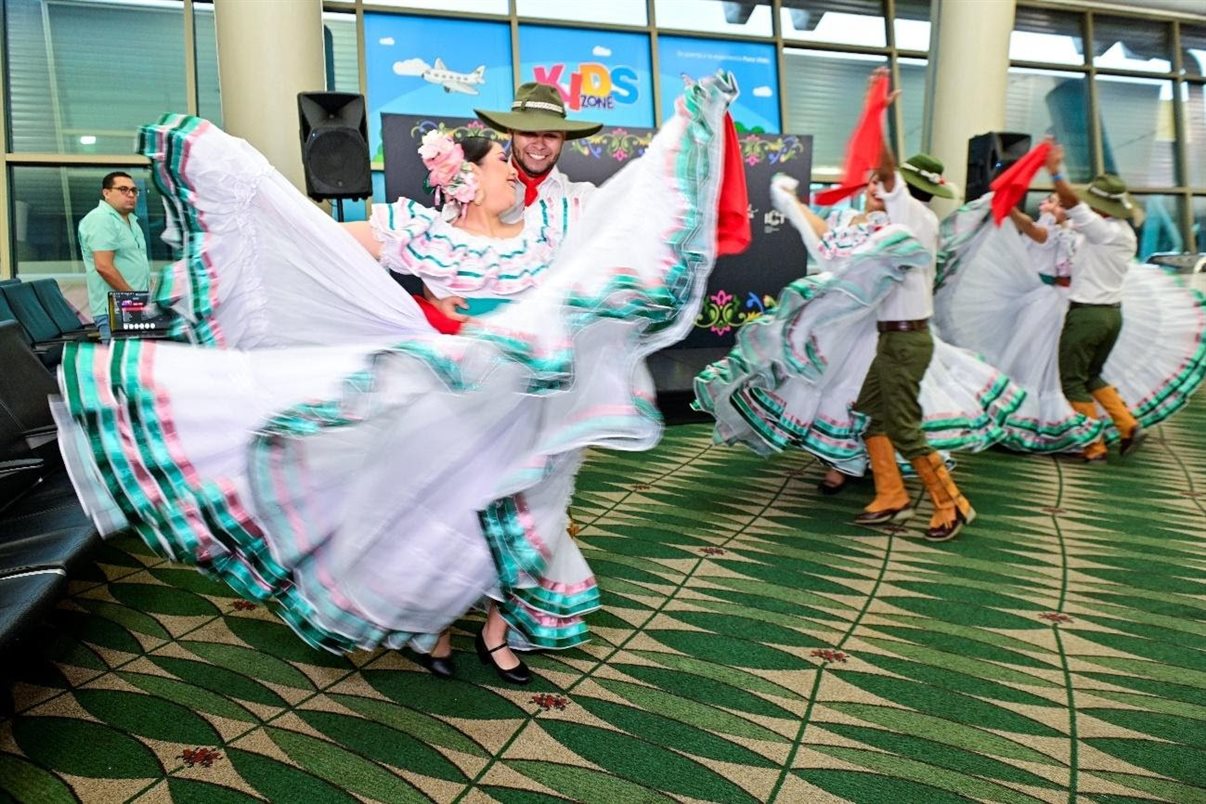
<point>388,41</point>
<point>763,92</point>
<point>411,67</point>
<point>601,52</point>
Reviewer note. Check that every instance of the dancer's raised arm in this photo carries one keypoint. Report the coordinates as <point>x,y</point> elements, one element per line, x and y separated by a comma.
<point>1027,226</point>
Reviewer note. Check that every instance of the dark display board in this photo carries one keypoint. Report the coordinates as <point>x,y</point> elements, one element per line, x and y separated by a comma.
<point>741,287</point>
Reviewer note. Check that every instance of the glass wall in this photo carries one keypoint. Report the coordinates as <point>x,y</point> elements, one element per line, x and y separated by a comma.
<point>560,43</point>
<point>205,47</point>
<point>1039,102</point>
<point>81,78</point>
<point>1192,92</point>
<point>825,80</point>
<point>48,205</point>
<point>1124,94</point>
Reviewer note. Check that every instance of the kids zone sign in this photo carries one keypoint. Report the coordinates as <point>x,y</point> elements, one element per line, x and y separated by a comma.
<point>591,85</point>
<point>601,75</point>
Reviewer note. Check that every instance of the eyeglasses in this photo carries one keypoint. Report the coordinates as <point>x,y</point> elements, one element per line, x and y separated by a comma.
<point>126,190</point>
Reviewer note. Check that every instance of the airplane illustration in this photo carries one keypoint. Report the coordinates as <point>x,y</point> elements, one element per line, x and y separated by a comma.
<point>453,81</point>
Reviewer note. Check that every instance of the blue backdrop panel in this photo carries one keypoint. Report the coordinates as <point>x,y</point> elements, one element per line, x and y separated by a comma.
<point>427,65</point>
<point>605,76</point>
<point>753,63</point>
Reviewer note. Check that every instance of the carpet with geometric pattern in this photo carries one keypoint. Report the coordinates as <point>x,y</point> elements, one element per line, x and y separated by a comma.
<point>753,646</point>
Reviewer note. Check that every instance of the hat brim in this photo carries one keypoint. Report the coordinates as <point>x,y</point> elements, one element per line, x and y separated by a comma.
<point>532,120</point>
<point>925,185</point>
<point>1109,206</point>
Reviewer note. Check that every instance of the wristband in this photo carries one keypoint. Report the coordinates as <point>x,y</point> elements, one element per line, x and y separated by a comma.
<point>1057,176</point>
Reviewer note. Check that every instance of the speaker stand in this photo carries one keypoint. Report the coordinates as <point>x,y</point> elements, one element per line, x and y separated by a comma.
<point>339,209</point>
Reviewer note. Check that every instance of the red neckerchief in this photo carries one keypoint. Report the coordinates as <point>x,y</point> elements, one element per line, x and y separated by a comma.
<point>530,183</point>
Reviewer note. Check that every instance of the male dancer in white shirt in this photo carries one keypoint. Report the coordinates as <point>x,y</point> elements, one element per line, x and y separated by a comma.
<point>539,130</point>
<point>889,396</point>
<point>1100,213</point>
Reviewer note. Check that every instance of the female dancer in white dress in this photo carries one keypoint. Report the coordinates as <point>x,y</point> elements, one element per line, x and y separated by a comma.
<point>795,373</point>
<point>375,488</point>
<point>1002,292</point>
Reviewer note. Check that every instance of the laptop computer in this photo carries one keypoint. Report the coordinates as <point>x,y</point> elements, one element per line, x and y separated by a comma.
<point>132,314</point>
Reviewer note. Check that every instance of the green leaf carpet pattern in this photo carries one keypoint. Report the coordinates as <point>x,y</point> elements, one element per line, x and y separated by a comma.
<point>754,645</point>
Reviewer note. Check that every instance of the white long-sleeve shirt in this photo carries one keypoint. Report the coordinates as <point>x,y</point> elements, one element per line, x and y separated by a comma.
<point>1053,257</point>
<point>1100,264</point>
<point>913,298</point>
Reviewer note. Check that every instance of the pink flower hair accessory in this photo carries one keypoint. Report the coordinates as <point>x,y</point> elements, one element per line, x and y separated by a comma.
<point>449,175</point>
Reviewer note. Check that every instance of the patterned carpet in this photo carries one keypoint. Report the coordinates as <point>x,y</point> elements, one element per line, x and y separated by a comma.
<point>753,646</point>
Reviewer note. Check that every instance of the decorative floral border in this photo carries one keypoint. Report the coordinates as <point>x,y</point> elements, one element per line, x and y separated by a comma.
<point>722,312</point>
<point>620,144</point>
<point>755,148</point>
<point>474,128</point>
<point>617,143</point>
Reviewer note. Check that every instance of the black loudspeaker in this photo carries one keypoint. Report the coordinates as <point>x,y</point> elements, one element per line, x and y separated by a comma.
<point>989,154</point>
<point>334,140</point>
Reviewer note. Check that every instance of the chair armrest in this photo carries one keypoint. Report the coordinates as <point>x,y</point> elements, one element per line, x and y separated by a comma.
<point>14,466</point>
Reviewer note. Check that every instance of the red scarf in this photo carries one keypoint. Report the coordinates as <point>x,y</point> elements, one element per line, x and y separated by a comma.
<point>1010,187</point>
<point>863,150</point>
<point>530,183</point>
<point>733,232</point>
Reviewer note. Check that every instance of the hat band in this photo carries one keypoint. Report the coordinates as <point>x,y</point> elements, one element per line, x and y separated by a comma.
<point>933,178</point>
<point>1119,197</point>
<point>520,106</point>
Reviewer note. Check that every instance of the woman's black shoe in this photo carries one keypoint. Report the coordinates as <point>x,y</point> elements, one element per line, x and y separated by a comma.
<point>519,674</point>
<point>438,666</point>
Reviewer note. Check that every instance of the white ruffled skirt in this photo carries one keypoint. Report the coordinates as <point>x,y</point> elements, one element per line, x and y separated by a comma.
<point>794,375</point>
<point>993,302</point>
<point>374,490</point>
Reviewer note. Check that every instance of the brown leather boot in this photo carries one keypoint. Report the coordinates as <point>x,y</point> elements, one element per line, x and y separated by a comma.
<point>1128,426</point>
<point>1095,451</point>
<point>951,509</point>
<point>891,503</point>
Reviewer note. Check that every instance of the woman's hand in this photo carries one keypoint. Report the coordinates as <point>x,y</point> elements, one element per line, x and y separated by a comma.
<point>451,306</point>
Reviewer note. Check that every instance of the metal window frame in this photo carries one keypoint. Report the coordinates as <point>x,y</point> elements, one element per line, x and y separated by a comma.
<point>1086,9</point>
<point>9,159</point>
<point>1183,191</point>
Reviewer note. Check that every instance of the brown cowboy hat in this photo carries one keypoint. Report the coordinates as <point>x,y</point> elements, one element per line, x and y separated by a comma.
<point>538,107</point>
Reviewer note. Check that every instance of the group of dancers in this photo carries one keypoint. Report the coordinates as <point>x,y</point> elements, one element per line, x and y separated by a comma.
<point>917,338</point>
<point>374,465</point>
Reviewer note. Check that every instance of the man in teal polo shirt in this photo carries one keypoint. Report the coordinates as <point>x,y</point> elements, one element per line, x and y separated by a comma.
<point>114,249</point>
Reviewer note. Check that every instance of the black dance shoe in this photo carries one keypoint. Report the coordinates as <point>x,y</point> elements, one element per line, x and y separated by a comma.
<point>438,666</point>
<point>519,674</point>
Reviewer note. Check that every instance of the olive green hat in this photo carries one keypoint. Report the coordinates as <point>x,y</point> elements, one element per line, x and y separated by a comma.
<point>1108,195</point>
<point>538,107</point>
<point>925,173</point>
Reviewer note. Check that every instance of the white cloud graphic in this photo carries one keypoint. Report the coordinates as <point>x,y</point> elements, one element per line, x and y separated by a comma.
<point>388,41</point>
<point>601,52</point>
<point>411,67</point>
<point>763,92</point>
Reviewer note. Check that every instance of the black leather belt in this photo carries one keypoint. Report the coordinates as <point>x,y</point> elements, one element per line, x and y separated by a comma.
<point>920,325</point>
<point>1075,305</point>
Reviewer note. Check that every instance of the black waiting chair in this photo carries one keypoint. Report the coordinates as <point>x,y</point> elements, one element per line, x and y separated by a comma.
<point>59,309</point>
<point>45,535</point>
<point>26,387</point>
<point>49,354</point>
<point>23,300</point>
